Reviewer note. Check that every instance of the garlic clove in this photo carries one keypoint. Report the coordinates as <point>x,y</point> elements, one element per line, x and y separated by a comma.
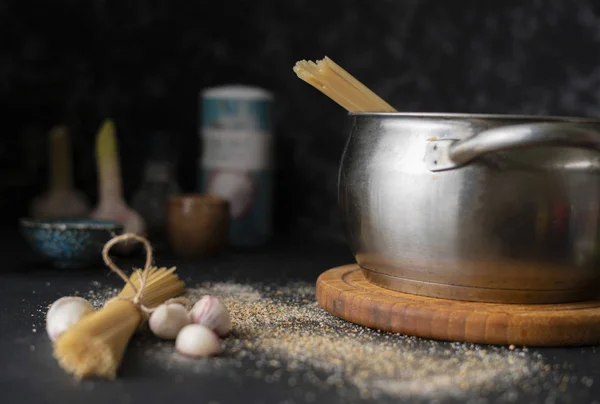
<point>168,319</point>
<point>212,313</point>
<point>64,313</point>
<point>197,341</point>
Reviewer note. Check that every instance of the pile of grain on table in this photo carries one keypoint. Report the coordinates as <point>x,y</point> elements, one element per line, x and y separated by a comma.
<point>280,334</point>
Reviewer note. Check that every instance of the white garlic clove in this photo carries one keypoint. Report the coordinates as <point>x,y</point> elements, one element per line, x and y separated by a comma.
<point>168,319</point>
<point>212,313</point>
<point>64,313</point>
<point>197,341</point>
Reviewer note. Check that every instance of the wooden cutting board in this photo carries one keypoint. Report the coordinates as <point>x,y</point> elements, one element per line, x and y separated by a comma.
<point>346,293</point>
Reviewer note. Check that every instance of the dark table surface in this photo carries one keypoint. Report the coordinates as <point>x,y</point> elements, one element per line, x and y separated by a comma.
<point>29,373</point>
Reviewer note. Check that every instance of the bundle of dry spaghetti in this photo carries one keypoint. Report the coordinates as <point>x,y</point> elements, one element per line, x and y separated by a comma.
<point>339,85</point>
<point>95,345</point>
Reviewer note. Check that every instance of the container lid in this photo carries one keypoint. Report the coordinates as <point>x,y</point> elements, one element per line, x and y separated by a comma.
<point>239,91</point>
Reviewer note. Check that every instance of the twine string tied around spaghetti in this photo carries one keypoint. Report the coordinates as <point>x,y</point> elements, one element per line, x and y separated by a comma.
<point>137,298</point>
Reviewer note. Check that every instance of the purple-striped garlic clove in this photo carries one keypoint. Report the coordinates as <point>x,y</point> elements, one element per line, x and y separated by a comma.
<point>212,313</point>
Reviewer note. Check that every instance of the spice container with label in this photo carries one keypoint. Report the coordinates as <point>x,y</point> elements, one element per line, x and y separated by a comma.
<point>236,159</point>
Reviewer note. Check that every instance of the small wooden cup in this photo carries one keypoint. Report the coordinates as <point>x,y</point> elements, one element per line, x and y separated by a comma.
<point>197,225</point>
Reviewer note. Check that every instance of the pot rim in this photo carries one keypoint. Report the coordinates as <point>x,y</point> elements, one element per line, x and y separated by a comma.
<point>460,115</point>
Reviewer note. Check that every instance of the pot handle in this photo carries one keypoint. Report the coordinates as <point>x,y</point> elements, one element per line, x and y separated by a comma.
<point>448,154</point>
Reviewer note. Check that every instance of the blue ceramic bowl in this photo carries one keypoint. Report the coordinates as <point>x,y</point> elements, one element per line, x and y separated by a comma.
<point>69,243</point>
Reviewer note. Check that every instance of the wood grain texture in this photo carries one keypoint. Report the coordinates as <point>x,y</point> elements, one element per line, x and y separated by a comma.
<point>345,292</point>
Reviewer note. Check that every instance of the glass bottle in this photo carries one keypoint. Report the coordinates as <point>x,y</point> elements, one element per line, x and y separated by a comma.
<point>158,184</point>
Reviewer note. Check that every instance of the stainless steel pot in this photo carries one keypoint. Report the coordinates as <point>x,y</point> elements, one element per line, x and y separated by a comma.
<point>489,208</point>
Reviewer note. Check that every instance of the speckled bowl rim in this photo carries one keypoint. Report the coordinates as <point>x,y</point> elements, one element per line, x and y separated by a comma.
<point>65,224</point>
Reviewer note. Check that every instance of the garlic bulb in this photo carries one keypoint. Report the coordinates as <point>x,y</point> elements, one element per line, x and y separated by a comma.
<point>64,313</point>
<point>168,319</point>
<point>197,341</point>
<point>212,313</point>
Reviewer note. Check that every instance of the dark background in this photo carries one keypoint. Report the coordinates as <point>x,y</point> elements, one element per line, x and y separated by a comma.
<point>143,63</point>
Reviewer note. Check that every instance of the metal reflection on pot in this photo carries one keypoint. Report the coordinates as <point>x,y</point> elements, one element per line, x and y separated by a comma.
<point>490,208</point>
